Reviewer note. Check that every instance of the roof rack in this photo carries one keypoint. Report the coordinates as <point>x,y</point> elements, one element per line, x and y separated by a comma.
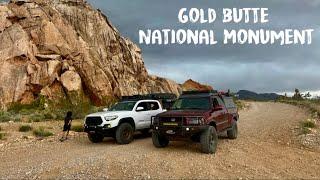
<point>207,93</point>
<point>166,99</point>
<point>154,96</point>
<point>223,93</point>
<point>200,92</point>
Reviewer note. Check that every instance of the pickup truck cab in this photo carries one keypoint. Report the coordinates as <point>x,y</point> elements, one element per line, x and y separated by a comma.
<point>132,113</point>
<point>198,116</point>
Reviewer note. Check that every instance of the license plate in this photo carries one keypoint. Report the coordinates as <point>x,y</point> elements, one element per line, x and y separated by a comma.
<point>170,124</point>
<point>170,132</point>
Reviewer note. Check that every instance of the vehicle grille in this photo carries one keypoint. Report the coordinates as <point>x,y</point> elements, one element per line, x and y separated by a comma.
<point>93,121</point>
<point>178,120</point>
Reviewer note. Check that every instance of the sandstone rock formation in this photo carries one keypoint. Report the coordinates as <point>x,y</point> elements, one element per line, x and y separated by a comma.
<point>191,85</point>
<point>56,48</point>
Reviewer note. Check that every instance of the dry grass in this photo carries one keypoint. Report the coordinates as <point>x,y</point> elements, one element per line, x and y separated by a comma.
<point>41,132</point>
<point>25,128</point>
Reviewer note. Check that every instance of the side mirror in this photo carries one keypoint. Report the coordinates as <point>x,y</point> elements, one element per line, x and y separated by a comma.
<point>139,108</point>
<point>105,109</point>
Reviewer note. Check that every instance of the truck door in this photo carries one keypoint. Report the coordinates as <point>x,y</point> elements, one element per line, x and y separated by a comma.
<point>219,114</point>
<point>154,109</point>
<point>224,111</point>
<point>142,114</point>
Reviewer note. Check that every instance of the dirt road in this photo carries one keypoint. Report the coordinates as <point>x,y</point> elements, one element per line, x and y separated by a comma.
<point>265,148</point>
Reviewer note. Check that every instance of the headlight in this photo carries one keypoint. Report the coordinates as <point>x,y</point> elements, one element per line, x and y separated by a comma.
<point>155,120</point>
<point>110,118</point>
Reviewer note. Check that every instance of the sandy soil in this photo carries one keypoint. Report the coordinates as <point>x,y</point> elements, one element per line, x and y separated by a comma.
<point>266,147</point>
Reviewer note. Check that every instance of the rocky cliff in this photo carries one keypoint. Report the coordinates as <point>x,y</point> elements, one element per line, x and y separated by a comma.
<point>191,85</point>
<point>65,48</point>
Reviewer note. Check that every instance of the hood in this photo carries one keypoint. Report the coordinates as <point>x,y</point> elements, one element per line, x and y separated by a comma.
<point>107,113</point>
<point>175,113</point>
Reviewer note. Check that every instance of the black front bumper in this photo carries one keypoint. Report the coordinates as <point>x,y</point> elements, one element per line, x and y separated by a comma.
<point>179,132</point>
<point>106,132</point>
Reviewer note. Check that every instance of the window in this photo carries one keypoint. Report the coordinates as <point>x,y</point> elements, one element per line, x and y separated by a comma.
<point>217,102</point>
<point>154,105</point>
<point>221,103</point>
<point>123,106</point>
<point>229,102</point>
<point>144,105</point>
<point>192,103</point>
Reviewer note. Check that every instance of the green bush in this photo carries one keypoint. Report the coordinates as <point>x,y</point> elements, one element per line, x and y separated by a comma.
<point>77,128</point>
<point>2,136</point>
<point>36,117</point>
<point>41,132</point>
<point>308,124</point>
<point>5,116</point>
<point>25,128</point>
<point>48,116</point>
<point>306,130</point>
<point>38,104</point>
<point>16,118</point>
<point>26,111</point>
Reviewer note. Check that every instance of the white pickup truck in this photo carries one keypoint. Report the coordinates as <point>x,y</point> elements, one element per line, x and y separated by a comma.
<point>122,120</point>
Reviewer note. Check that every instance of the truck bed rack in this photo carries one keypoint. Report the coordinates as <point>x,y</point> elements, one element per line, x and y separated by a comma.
<point>206,92</point>
<point>166,99</point>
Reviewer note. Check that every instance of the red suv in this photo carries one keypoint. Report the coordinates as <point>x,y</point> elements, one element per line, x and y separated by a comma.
<point>199,116</point>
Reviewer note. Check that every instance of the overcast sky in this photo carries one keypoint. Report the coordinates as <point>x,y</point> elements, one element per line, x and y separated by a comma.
<point>259,68</point>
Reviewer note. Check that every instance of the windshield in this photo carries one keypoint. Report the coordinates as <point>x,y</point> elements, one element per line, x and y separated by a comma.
<point>192,103</point>
<point>123,106</point>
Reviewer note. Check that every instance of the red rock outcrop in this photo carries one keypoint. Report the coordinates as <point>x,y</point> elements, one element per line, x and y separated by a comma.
<point>56,48</point>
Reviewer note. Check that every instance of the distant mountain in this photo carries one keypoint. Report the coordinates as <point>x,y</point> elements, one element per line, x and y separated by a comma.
<point>249,95</point>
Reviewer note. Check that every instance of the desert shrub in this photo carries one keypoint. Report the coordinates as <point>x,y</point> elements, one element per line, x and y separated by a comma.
<point>49,116</point>
<point>2,136</point>
<point>312,105</point>
<point>308,124</point>
<point>79,106</point>
<point>26,111</point>
<point>305,130</point>
<point>77,128</point>
<point>25,128</point>
<point>5,116</point>
<point>16,118</point>
<point>41,132</point>
<point>36,117</point>
<point>38,104</point>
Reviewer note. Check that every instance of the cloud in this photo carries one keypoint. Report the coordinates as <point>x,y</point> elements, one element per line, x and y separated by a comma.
<point>259,68</point>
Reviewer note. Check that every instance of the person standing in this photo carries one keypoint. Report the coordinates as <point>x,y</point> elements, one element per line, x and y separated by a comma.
<point>66,126</point>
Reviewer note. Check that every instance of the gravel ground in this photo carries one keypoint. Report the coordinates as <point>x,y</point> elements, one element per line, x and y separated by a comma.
<point>267,147</point>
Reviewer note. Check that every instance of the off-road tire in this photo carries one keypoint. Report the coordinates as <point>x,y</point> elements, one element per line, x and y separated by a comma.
<point>233,132</point>
<point>159,141</point>
<point>209,140</point>
<point>124,133</point>
<point>95,138</point>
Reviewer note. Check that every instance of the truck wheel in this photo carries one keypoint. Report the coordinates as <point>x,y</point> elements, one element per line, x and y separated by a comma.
<point>209,140</point>
<point>233,132</point>
<point>95,138</point>
<point>124,133</point>
<point>159,141</point>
